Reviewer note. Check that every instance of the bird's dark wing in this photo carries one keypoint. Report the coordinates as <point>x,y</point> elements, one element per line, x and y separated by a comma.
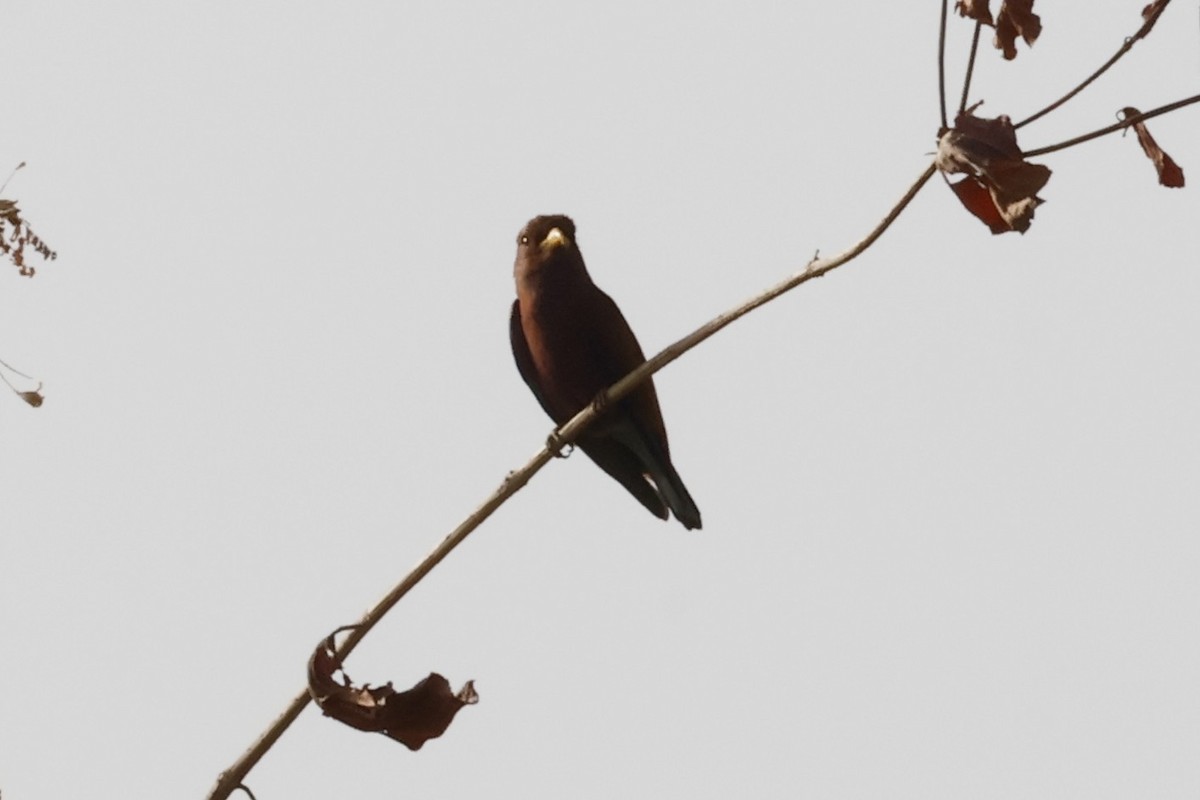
<point>615,352</point>
<point>609,454</point>
<point>523,357</point>
<point>640,431</point>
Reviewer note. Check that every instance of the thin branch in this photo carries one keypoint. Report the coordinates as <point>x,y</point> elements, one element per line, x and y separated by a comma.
<point>232,778</point>
<point>4,185</point>
<point>13,369</point>
<point>1125,48</point>
<point>815,269</point>
<point>962,104</point>
<point>1125,123</point>
<point>942,64</point>
<point>31,396</point>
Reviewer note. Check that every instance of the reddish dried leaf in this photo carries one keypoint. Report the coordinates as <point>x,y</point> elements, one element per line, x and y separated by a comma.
<point>411,717</point>
<point>1016,18</point>
<point>1150,15</point>
<point>975,9</point>
<point>1170,174</point>
<point>1001,187</point>
<point>976,198</point>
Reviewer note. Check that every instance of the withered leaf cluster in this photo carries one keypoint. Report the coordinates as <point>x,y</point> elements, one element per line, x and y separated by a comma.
<point>411,717</point>
<point>1015,19</point>
<point>1000,187</point>
<point>13,244</point>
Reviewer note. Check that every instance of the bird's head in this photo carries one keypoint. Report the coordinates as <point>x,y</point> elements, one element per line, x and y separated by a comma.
<point>546,244</point>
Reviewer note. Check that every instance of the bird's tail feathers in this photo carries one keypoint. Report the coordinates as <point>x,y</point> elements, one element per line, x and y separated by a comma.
<point>666,479</point>
<point>676,494</point>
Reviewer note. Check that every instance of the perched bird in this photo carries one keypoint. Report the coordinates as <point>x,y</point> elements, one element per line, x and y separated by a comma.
<point>571,342</point>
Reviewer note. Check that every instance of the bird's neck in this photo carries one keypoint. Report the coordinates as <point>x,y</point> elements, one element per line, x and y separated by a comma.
<point>554,286</point>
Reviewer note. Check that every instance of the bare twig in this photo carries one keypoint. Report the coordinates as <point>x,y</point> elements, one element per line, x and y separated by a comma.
<point>1125,48</point>
<point>232,778</point>
<point>815,269</point>
<point>1125,123</point>
<point>962,104</point>
<point>4,185</point>
<point>13,369</point>
<point>942,64</point>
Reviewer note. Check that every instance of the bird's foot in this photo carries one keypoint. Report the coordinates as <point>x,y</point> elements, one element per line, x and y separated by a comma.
<point>557,447</point>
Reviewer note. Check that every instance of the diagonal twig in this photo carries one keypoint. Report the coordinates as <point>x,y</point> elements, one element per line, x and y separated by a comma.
<point>962,104</point>
<point>1125,123</point>
<point>234,777</point>
<point>1125,48</point>
<point>942,64</point>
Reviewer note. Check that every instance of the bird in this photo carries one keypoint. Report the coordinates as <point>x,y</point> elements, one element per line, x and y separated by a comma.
<point>571,342</point>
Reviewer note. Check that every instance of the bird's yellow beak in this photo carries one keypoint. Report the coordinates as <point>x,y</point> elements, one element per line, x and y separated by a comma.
<point>555,238</point>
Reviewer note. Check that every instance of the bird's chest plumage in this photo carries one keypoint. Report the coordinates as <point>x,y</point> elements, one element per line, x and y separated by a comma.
<point>562,345</point>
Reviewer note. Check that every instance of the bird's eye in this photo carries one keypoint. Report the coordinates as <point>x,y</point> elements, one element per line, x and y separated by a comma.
<point>524,240</point>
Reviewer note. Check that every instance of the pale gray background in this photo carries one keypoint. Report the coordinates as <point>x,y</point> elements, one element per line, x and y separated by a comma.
<point>949,491</point>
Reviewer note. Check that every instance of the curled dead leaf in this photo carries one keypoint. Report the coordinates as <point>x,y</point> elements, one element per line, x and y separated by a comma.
<point>31,396</point>
<point>1150,16</point>
<point>978,200</point>
<point>1001,186</point>
<point>1015,18</point>
<point>10,212</point>
<point>34,397</point>
<point>1170,174</point>
<point>975,9</point>
<point>410,717</point>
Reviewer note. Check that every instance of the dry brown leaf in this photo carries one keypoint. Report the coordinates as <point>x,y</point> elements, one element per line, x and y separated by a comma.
<point>1016,18</point>
<point>10,212</point>
<point>975,9</point>
<point>1170,174</point>
<point>1150,15</point>
<point>1001,186</point>
<point>411,717</point>
<point>34,397</point>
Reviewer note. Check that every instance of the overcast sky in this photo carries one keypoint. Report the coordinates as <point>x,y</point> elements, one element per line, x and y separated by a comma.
<point>951,519</point>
